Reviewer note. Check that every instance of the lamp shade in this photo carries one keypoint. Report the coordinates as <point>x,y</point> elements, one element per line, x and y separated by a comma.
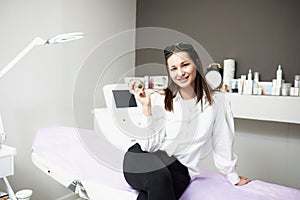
<point>65,37</point>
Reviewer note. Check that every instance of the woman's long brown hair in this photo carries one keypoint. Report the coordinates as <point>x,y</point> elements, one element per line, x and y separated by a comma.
<point>201,86</point>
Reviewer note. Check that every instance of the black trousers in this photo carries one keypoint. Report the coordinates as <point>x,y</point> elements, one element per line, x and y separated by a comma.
<point>156,175</point>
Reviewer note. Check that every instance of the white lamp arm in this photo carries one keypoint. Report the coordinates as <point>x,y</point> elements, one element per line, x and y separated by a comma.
<point>37,41</point>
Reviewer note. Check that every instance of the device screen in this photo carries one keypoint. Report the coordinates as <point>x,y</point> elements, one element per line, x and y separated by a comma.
<point>124,99</point>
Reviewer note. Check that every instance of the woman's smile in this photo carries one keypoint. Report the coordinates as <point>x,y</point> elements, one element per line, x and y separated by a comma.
<point>183,79</point>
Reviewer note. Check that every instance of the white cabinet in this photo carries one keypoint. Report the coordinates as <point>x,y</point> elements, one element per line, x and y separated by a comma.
<point>7,161</point>
<point>267,137</point>
<point>267,108</point>
<point>7,154</point>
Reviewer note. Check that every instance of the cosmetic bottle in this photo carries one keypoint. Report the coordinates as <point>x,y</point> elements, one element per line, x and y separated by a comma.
<point>276,87</point>
<point>250,75</point>
<point>294,91</point>
<point>285,89</point>
<point>297,81</point>
<point>150,83</point>
<point>279,80</point>
<point>241,84</point>
<point>234,85</point>
<point>249,83</point>
<point>279,73</point>
<point>255,83</point>
<point>146,82</point>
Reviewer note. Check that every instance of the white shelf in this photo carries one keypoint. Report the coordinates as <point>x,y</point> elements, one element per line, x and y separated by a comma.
<point>267,108</point>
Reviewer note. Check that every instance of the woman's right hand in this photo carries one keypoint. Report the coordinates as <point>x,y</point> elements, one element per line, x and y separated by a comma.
<point>144,98</point>
<point>243,181</point>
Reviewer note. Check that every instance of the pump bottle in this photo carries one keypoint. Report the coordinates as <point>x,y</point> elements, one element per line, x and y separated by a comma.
<point>276,87</point>
<point>279,73</point>
<point>249,83</point>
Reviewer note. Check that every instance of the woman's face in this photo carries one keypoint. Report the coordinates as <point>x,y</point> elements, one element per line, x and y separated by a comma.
<point>182,69</point>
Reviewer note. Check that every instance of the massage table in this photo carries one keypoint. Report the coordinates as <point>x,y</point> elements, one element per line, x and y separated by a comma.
<point>63,154</point>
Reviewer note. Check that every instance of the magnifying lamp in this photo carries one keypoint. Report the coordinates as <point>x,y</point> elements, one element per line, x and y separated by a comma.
<point>36,42</point>
<point>39,41</point>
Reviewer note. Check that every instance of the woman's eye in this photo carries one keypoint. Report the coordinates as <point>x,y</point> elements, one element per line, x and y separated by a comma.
<point>185,64</point>
<point>173,69</point>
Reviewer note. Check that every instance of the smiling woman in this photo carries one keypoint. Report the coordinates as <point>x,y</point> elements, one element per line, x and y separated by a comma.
<point>161,165</point>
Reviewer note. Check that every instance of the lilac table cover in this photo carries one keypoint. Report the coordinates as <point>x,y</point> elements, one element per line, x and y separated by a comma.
<point>63,147</point>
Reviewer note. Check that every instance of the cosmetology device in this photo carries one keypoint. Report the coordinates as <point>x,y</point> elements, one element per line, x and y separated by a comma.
<point>123,116</point>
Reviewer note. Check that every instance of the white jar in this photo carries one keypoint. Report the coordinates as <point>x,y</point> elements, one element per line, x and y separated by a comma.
<point>285,89</point>
<point>294,91</point>
<point>297,81</point>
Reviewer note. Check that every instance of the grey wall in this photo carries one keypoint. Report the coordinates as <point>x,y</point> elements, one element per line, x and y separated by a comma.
<point>259,34</point>
<point>38,91</point>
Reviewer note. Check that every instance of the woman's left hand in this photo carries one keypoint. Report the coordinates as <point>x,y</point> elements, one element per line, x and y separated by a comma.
<point>243,181</point>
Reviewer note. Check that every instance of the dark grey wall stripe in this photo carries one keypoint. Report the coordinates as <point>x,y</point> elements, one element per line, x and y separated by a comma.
<point>259,34</point>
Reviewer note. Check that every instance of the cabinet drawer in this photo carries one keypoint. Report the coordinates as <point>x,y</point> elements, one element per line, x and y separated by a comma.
<point>7,166</point>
